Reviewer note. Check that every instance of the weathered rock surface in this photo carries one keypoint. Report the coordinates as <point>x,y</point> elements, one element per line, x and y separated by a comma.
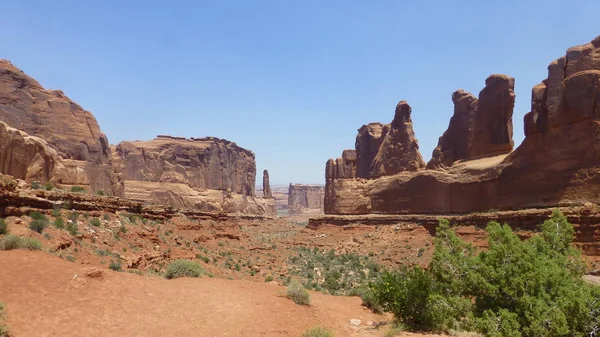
<point>204,163</point>
<point>368,142</point>
<point>27,157</point>
<point>399,150</point>
<point>208,174</point>
<point>492,119</point>
<point>304,196</point>
<point>67,128</point>
<point>558,163</point>
<point>266,185</point>
<point>454,144</point>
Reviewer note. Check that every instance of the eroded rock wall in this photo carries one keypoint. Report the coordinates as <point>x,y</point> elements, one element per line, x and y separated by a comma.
<point>66,127</point>
<point>304,196</point>
<point>558,163</point>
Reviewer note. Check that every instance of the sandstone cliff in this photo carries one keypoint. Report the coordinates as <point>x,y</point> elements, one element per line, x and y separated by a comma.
<point>66,127</point>
<point>209,174</point>
<point>304,196</point>
<point>557,163</point>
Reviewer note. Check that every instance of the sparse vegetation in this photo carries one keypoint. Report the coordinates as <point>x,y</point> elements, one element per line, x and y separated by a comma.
<point>183,268</point>
<point>515,288</point>
<point>36,185</point>
<point>77,189</point>
<point>337,274</point>
<point>296,292</point>
<point>39,222</point>
<point>318,332</point>
<point>10,242</point>
<point>72,228</point>
<point>100,193</point>
<point>3,227</point>
<point>4,330</point>
<point>59,223</point>
<point>115,265</point>
<point>95,222</point>
<point>48,186</point>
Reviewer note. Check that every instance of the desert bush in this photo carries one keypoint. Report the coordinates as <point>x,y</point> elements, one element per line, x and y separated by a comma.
<point>95,222</point>
<point>36,185</point>
<point>78,189</point>
<point>514,288</point>
<point>269,278</point>
<point>39,222</point>
<point>3,227</point>
<point>318,332</point>
<point>297,293</point>
<point>340,274</point>
<point>48,186</point>
<point>115,265</point>
<point>4,331</point>
<point>59,223</point>
<point>72,228</point>
<point>183,268</point>
<point>100,193</point>
<point>10,242</point>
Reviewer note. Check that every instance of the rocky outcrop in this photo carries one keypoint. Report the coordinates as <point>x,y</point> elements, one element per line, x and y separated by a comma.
<point>266,186</point>
<point>558,163</point>
<point>399,150</point>
<point>368,142</point>
<point>203,163</point>
<point>455,143</point>
<point>26,157</point>
<point>66,127</point>
<point>304,197</point>
<point>208,174</point>
<point>492,119</point>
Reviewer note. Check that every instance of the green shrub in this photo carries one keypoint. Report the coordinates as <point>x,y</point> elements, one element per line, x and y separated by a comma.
<point>4,331</point>
<point>514,288</point>
<point>318,332</point>
<point>77,189</point>
<point>48,186</point>
<point>297,293</point>
<point>39,222</point>
<point>183,268</point>
<point>36,185</point>
<point>368,299</point>
<point>72,228</point>
<point>95,222</point>
<point>100,193</point>
<point>59,223</point>
<point>269,278</point>
<point>115,265</point>
<point>3,227</point>
<point>10,242</point>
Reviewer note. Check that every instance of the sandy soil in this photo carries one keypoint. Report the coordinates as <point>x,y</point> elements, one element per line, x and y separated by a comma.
<point>48,296</point>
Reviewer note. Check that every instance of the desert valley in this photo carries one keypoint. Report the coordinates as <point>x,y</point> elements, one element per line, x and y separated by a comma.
<point>178,236</point>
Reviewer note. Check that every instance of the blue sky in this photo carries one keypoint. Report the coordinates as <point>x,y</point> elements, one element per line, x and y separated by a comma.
<point>290,80</point>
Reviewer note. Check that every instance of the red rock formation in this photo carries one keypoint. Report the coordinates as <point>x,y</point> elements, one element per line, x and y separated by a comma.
<point>454,144</point>
<point>399,150</point>
<point>558,163</point>
<point>304,196</point>
<point>266,186</point>
<point>492,120</point>
<point>367,145</point>
<point>204,163</point>
<point>67,128</point>
<point>208,174</point>
<point>27,157</point>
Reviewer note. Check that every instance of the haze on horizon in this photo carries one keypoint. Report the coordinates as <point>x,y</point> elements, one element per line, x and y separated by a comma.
<point>291,81</point>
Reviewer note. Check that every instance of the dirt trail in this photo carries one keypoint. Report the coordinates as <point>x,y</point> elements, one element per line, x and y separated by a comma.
<point>48,296</point>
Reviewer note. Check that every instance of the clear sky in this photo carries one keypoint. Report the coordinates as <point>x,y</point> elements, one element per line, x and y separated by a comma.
<point>290,80</point>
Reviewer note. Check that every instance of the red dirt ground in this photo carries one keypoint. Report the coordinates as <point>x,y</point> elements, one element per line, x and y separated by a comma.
<point>47,296</point>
